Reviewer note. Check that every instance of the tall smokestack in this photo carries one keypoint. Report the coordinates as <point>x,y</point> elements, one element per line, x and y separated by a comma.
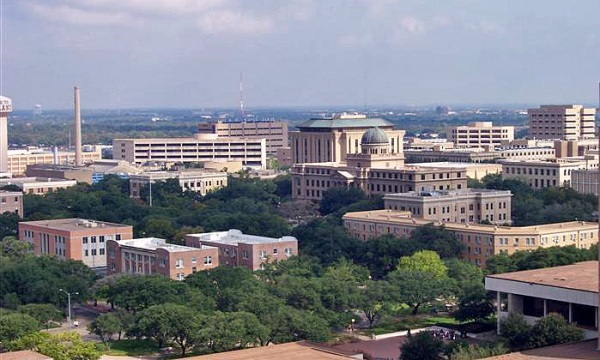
<point>77,110</point>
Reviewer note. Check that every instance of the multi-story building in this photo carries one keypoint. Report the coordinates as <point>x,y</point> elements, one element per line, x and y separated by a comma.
<point>38,186</point>
<point>474,170</point>
<point>200,181</point>
<point>70,172</point>
<point>480,133</point>
<point>377,169</point>
<point>459,206</point>
<point>5,109</point>
<point>284,156</point>
<point>200,148</point>
<point>330,140</point>
<point>18,160</point>
<point>415,143</point>
<point>146,256</point>
<point>585,181</point>
<point>570,290</point>
<point>275,131</point>
<point>541,174</point>
<point>238,249</point>
<point>564,122</point>
<point>480,241</point>
<point>75,239</point>
<point>480,155</point>
<point>11,202</point>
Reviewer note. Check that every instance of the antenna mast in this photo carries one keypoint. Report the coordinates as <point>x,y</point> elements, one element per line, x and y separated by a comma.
<point>242,112</point>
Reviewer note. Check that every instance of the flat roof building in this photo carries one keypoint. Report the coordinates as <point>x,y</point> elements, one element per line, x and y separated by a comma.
<point>563,122</point>
<point>147,256</point>
<point>275,132</point>
<point>481,241</point>
<point>74,239</point>
<point>200,181</point>
<point>197,149</point>
<point>251,251</point>
<point>571,291</point>
<point>480,133</point>
<point>18,160</point>
<point>11,202</point>
<point>480,155</point>
<point>542,174</point>
<point>474,170</point>
<point>459,206</point>
<point>38,186</point>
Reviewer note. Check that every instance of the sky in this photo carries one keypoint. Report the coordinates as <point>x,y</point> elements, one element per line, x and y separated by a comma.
<point>190,53</point>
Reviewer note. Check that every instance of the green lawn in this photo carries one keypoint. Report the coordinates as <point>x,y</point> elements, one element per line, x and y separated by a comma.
<point>131,348</point>
<point>406,322</point>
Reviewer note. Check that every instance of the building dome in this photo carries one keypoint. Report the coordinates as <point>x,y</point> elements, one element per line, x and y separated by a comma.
<point>374,136</point>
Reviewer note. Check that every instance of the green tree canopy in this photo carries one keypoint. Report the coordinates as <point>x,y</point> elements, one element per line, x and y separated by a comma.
<point>424,261</point>
<point>421,346</point>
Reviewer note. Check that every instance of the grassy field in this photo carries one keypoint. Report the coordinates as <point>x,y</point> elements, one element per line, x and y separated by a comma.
<point>131,348</point>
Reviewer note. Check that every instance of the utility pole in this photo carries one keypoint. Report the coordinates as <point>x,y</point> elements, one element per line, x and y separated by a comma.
<point>69,305</point>
<point>150,191</point>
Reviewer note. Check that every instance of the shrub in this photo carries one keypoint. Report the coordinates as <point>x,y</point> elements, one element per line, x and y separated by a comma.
<point>553,329</point>
<point>516,330</point>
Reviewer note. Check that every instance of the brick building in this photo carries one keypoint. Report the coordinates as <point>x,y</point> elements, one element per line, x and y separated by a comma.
<point>75,239</point>
<point>238,249</point>
<point>274,132</point>
<point>146,256</point>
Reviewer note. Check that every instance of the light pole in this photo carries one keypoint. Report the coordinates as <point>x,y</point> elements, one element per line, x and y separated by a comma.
<point>69,304</point>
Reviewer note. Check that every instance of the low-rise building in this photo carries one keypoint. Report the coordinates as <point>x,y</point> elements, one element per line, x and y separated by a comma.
<point>480,241</point>
<point>480,155</point>
<point>197,149</point>
<point>415,143</point>
<point>38,186</point>
<point>474,170</point>
<point>284,156</point>
<point>200,181</point>
<point>238,249</point>
<point>275,132</point>
<point>542,174</point>
<point>146,256</point>
<point>480,133</point>
<point>18,160</point>
<point>459,206</point>
<point>11,202</point>
<point>74,239</point>
<point>585,181</point>
<point>71,172</point>
<point>571,291</point>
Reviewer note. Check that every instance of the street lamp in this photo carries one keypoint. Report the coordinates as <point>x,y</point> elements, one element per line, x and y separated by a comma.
<point>68,304</point>
<point>352,325</point>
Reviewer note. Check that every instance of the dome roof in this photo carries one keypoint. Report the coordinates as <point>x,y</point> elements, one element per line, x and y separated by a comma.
<point>374,136</point>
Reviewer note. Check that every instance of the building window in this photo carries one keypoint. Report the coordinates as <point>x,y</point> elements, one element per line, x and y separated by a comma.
<point>101,238</point>
<point>193,260</point>
<point>101,251</point>
<point>85,239</point>
<point>179,264</point>
<point>263,254</point>
<point>275,251</point>
<point>288,252</point>
<point>208,260</point>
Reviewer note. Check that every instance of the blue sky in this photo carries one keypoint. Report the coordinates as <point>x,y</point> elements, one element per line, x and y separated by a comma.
<point>189,53</point>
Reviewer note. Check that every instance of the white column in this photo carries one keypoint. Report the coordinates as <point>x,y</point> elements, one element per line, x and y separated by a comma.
<point>498,310</point>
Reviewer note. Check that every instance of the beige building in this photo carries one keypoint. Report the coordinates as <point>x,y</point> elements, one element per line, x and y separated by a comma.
<point>38,186</point>
<point>415,143</point>
<point>585,181</point>
<point>541,174</point>
<point>11,202</point>
<point>284,156</point>
<point>71,172</point>
<point>200,181</point>
<point>377,169</point>
<point>330,140</point>
<point>238,249</point>
<point>481,241</point>
<point>459,206</point>
<point>147,256</point>
<point>5,109</point>
<point>480,155</point>
<point>474,170</point>
<point>564,122</point>
<point>574,148</point>
<point>480,133</point>
<point>73,239</point>
<point>274,132</point>
<point>200,148</point>
<point>18,160</point>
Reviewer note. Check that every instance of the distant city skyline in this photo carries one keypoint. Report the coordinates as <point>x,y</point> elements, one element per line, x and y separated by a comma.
<point>299,53</point>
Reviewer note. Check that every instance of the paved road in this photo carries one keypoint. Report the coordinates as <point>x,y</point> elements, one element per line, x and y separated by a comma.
<point>85,316</point>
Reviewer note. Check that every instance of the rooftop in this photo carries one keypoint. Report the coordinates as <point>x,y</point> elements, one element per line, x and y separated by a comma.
<point>152,243</point>
<point>288,351</point>
<point>187,173</point>
<point>581,276</point>
<point>23,355</point>
<point>72,224</point>
<point>585,350</point>
<point>341,123</point>
<point>401,217</point>
<point>233,237</point>
<point>33,180</point>
<point>10,193</point>
<point>448,193</point>
<point>454,165</point>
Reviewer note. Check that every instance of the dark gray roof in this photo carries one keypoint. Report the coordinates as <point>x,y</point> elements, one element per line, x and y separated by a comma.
<point>344,123</point>
<point>374,136</point>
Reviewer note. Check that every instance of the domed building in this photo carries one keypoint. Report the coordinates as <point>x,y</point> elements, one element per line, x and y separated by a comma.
<point>375,151</point>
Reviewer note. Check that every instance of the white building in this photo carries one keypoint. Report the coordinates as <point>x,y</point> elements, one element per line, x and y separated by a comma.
<point>480,133</point>
<point>200,181</point>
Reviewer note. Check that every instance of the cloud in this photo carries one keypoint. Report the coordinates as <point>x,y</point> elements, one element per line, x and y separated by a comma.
<point>235,17</point>
<point>412,25</point>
